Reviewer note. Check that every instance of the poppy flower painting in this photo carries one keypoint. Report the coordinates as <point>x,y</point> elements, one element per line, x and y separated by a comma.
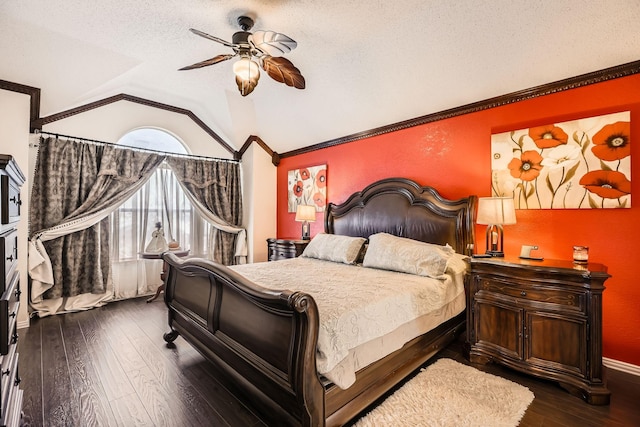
<point>308,186</point>
<point>580,164</point>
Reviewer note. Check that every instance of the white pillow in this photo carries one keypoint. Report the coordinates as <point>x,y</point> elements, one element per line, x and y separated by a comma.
<point>333,247</point>
<point>457,264</point>
<point>389,252</point>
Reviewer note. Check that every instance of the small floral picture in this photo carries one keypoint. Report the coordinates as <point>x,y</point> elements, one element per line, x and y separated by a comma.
<point>308,186</point>
<point>579,164</point>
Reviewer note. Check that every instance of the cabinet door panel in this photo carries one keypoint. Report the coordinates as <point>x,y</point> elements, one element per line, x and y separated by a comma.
<point>556,342</point>
<point>498,328</point>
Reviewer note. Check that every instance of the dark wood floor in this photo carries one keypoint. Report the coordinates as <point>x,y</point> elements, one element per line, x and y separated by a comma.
<point>110,367</point>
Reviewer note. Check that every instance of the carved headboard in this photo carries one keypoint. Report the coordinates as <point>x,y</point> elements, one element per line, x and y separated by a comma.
<point>404,208</point>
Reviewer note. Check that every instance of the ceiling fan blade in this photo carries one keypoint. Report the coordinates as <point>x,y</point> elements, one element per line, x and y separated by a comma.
<point>210,37</point>
<point>214,60</point>
<point>272,43</point>
<point>246,86</point>
<point>282,70</point>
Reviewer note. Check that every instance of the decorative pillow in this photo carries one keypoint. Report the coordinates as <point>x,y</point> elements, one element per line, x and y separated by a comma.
<point>389,252</point>
<point>333,247</point>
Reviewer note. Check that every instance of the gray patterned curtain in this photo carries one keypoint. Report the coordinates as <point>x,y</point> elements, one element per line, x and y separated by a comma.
<point>214,188</point>
<point>75,187</point>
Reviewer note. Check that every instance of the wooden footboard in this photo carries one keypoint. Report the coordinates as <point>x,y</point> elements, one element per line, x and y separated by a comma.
<point>262,341</point>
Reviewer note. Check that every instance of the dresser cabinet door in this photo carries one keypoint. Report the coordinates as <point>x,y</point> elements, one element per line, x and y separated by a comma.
<point>556,342</point>
<point>498,328</point>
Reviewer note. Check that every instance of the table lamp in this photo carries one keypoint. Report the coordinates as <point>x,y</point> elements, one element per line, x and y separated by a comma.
<point>495,212</point>
<point>305,214</point>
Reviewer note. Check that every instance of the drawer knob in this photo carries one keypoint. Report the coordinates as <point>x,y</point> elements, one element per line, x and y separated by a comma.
<point>10,258</point>
<point>523,293</point>
<point>14,338</point>
<point>17,293</point>
<point>17,381</point>
<point>7,372</point>
<point>13,314</point>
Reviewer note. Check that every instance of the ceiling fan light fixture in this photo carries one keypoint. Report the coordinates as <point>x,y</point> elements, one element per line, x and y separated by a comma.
<point>246,69</point>
<point>247,74</point>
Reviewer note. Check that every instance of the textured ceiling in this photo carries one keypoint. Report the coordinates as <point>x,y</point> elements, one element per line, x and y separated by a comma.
<point>367,63</point>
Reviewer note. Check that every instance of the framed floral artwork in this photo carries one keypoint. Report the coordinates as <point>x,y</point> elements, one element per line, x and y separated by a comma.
<point>579,164</point>
<point>308,186</point>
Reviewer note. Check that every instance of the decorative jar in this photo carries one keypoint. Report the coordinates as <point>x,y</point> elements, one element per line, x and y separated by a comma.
<point>581,254</point>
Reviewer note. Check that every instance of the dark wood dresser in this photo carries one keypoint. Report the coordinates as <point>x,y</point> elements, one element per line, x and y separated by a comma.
<point>285,248</point>
<point>11,179</point>
<point>539,317</point>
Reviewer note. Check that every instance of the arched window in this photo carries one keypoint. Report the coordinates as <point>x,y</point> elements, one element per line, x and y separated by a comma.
<point>160,200</point>
<point>153,139</point>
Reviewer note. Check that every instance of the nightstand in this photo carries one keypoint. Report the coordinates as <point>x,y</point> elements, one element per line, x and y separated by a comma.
<point>285,248</point>
<point>543,318</point>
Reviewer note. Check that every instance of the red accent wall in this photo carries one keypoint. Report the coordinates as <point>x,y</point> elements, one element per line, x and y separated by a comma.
<point>453,155</point>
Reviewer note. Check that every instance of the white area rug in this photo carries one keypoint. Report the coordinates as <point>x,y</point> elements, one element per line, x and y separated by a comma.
<point>448,393</point>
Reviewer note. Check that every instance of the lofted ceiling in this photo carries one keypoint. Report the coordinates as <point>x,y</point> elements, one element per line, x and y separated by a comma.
<point>367,63</point>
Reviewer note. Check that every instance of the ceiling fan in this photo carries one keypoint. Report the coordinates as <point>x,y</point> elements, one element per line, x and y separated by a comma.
<point>265,47</point>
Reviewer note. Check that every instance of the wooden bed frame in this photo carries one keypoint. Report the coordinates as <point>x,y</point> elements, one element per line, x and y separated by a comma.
<point>263,342</point>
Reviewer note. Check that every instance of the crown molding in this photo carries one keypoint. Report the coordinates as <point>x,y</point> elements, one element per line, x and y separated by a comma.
<point>275,157</point>
<point>38,123</point>
<point>510,98</point>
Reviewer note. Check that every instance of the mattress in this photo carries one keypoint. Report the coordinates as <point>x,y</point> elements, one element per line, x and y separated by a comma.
<point>365,313</point>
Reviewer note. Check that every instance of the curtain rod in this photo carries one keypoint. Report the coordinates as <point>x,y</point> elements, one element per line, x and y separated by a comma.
<point>95,141</point>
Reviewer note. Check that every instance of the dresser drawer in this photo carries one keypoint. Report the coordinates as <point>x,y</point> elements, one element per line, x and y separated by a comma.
<point>10,200</point>
<point>9,381</point>
<point>284,251</point>
<point>9,304</point>
<point>285,248</point>
<point>537,295</point>
<point>9,255</point>
<point>13,414</point>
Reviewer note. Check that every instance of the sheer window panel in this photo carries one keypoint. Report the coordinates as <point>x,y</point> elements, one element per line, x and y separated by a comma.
<point>162,200</point>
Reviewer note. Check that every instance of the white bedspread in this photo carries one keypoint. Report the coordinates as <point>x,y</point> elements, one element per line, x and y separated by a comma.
<point>359,305</point>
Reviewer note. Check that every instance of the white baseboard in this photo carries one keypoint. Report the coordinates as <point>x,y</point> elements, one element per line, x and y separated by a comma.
<point>23,324</point>
<point>621,366</point>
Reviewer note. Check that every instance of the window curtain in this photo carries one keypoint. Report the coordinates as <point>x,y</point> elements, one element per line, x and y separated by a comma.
<point>214,189</point>
<point>76,185</point>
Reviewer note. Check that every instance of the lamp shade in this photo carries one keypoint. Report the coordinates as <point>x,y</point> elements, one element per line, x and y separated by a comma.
<point>496,210</point>
<point>306,213</point>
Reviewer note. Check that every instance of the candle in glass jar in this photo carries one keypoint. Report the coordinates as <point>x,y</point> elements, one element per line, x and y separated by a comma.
<point>581,254</point>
